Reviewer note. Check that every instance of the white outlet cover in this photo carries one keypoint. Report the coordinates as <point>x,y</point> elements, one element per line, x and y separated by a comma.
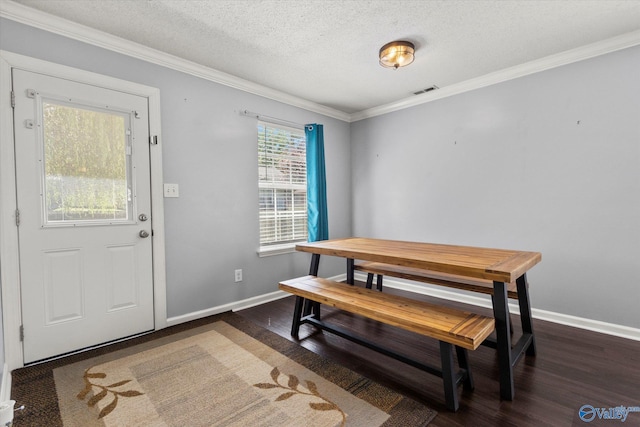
<point>171,190</point>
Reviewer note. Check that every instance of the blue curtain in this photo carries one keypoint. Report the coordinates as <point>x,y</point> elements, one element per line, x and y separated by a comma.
<point>318,222</point>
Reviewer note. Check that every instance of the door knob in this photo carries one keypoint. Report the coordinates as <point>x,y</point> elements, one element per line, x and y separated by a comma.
<point>143,234</point>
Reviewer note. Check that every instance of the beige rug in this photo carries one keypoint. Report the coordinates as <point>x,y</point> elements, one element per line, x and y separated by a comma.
<point>218,375</point>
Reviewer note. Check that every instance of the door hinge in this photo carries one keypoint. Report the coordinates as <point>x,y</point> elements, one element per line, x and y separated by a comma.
<point>13,99</point>
<point>17,218</point>
<point>21,333</point>
<point>153,140</point>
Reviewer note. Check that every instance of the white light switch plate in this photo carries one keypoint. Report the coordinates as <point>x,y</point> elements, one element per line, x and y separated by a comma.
<point>171,190</point>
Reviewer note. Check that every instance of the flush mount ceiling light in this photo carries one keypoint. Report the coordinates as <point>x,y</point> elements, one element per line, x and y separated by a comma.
<point>397,54</point>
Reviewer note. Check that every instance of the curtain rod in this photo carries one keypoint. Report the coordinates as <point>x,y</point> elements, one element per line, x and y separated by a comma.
<point>272,119</point>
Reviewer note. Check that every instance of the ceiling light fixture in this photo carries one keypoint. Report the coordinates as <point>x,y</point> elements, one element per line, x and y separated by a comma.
<point>397,54</point>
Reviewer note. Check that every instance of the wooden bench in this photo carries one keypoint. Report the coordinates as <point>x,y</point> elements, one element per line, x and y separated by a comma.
<point>432,277</point>
<point>453,328</point>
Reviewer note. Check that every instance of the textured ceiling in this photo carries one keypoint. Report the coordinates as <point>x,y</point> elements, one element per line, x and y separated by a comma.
<point>326,51</point>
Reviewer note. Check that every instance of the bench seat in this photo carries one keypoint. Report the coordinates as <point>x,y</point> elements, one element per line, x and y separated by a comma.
<point>461,328</point>
<point>452,327</point>
<point>432,277</point>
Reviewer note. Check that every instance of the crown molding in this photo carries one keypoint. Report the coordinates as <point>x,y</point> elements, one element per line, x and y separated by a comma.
<point>563,58</point>
<point>44,21</point>
<point>38,19</point>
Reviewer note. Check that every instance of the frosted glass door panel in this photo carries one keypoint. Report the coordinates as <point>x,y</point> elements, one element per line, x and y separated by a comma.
<point>87,162</point>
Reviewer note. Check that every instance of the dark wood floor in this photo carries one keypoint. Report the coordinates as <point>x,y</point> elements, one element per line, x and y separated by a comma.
<point>573,368</point>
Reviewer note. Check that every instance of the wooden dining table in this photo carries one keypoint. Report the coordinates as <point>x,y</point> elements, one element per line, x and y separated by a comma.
<point>498,265</point>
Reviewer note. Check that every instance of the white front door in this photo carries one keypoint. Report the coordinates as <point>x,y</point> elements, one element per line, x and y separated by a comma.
<point>83,196</point>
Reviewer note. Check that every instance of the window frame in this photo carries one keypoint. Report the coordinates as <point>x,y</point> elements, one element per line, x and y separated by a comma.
<point>293,184</point>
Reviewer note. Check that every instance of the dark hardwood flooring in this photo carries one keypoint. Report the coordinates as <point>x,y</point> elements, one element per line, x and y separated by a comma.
<point>573,367</point>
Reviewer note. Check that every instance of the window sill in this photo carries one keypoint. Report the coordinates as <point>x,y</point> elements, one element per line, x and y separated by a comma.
<point>265,251</point>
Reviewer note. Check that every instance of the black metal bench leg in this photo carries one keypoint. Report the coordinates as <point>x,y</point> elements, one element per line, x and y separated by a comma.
<point>525,312</point>
<point>306,307</point>
<point>463,362</point>
<point>316,310</point>
<point>379,283</point>
<point>311,306</point>
<point>297,315</point>
<point>448,376</point>
<point>369,280</point>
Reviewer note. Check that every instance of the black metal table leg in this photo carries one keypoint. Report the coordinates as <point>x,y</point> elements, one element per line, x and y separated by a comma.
<point>313,271</point>
<point>315,263</point>
<point>510,321</point>
<point>350,270</point>
<point>503,338</point>
<point>525,312</point>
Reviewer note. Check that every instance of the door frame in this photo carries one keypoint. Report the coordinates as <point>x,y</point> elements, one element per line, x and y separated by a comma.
<point>9,250</point>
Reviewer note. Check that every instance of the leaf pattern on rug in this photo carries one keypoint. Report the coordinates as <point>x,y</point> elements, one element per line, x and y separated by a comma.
<point>104,391</point>
<point>292,385</point>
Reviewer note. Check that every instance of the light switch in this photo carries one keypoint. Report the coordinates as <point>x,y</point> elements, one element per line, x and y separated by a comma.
<point>171,190</point>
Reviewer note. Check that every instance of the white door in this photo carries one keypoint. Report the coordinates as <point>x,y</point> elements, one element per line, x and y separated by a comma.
<point>83,196</point>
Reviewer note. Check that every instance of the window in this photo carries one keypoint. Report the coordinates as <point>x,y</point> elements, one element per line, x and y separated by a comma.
<point>87,164</point>
<point>282,182</point>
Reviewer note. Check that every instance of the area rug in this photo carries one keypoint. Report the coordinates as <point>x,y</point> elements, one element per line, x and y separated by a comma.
<point>229,372</point>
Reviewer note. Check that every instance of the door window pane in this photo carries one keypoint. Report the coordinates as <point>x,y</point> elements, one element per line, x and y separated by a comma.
<point>87,164</point>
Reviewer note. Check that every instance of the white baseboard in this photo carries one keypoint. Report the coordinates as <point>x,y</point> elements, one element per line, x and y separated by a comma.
<point>5,387</point>
<point>588,324</point>
<point>234,306</point>
<point>485,301</point>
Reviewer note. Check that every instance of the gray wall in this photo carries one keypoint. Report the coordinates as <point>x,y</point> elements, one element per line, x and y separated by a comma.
<point>1,347</point>
<point>210,150</point>
<point>549,162</point>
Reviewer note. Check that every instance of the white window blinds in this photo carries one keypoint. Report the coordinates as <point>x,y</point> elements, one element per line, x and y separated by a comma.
<point>282,182</point>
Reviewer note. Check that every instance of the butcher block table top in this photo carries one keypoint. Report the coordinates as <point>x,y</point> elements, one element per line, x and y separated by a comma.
<point>500,265</point>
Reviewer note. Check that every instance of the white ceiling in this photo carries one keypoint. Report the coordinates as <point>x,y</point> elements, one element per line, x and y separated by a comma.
<point>325,51</point>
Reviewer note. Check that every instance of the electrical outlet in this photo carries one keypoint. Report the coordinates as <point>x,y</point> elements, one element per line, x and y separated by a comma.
<point>171,190</point>
<point>239,275</point>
